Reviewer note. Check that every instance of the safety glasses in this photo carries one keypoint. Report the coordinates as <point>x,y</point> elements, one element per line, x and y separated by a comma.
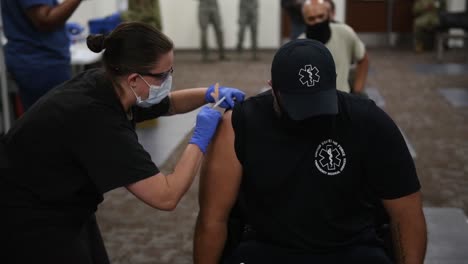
<point>161,76</point>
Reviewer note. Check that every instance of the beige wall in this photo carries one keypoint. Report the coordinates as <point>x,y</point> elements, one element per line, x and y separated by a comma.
<point>456,5</point>
<point>92,9</point>
<point>180,21</point>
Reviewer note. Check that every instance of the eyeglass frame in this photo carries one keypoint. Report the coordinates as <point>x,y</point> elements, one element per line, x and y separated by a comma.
<point>161,75</point>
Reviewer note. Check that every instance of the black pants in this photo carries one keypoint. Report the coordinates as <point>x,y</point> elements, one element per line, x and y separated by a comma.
<point>258,252</point>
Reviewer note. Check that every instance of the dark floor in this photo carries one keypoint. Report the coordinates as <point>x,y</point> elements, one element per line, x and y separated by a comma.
<point>409,86</point>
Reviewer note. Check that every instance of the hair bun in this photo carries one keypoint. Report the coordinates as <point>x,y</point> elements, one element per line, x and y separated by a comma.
<point>96,43</point>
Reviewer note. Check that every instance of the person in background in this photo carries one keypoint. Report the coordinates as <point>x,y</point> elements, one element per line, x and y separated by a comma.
<point>248,17</point>
<point>426,20</point>
<point>343,43</point>
<point>306,167</point>
<point>146,11</point>
<point>208,13</point>
<point>79,142</point>
<point>37,54</point>
<point>293,9</point>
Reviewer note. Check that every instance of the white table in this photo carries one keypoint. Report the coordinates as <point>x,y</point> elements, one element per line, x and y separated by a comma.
<point>81,56</point>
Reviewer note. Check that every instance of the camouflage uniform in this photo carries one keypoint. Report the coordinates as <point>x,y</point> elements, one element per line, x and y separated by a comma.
<point>248,16</point>
<point>208,13</point>
<point>426,21</point>
<point>146,11</point>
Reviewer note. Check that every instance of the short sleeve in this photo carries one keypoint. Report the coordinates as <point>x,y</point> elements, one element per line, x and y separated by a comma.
<point>359,50</point>
<point>30,3</point>
<point>388,165</point>
<point>237,120</point>
<point>106,147</point>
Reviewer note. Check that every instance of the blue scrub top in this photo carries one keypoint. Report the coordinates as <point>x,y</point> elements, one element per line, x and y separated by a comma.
<point>27,47</point>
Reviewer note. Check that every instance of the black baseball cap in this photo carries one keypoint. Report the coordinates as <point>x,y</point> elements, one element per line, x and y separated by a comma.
<point>303,72</point>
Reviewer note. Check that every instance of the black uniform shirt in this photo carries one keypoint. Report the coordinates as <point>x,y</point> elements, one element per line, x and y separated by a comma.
<point>315,185</point>
<point>72,146</point>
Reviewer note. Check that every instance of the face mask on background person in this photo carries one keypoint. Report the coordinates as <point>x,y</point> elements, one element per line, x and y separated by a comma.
<point>320,31</point>
<point>156,93</point>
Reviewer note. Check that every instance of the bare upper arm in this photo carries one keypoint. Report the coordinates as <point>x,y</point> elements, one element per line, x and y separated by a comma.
<point>220,174</point>
<point>38,16</point>
<point>51,17</point>
<point>365,59</point>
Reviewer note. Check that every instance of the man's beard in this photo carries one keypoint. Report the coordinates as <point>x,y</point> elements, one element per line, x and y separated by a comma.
<point>320,31</point>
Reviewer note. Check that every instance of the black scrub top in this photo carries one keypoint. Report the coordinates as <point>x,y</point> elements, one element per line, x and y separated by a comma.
<point>72,146</point>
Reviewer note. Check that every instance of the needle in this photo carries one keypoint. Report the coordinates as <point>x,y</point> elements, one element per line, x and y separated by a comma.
<point>219,102</point>
<point>214,106</point>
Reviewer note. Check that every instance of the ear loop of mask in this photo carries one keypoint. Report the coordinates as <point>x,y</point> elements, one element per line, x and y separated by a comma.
<point>144,81</point>
<point>138,98</point>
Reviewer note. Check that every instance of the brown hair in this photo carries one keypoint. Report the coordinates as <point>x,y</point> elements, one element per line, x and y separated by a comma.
<point>130,47</point>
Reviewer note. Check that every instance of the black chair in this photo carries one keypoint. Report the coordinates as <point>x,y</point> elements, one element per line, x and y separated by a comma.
<point>449,20</point>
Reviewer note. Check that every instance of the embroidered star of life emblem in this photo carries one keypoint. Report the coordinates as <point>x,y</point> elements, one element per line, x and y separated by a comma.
<point>330,157</point>
<point>309,75</point>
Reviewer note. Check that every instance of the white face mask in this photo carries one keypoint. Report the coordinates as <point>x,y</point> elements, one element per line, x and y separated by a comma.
<point>156,93</point>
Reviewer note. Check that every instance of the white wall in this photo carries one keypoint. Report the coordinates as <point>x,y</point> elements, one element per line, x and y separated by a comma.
<point>93,9</point>
<point>180,21</point>
<point>340,9</point>
<point>456,5</point>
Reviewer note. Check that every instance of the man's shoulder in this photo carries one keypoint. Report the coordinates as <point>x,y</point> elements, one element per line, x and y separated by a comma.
<point>353,98</point>
<point>255,103</point>
<point>264,96</point>
<point>344,34</point>
<point>342,28</point>
<point>354,105</point>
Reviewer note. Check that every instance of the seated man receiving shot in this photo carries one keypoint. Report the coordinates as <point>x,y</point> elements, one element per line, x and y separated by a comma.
<point>307,166</point>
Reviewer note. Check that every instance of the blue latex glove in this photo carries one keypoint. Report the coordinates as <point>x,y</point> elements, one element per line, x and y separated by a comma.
<point>74,28</point>
<point>207,121</point>
<point>213,95</point>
